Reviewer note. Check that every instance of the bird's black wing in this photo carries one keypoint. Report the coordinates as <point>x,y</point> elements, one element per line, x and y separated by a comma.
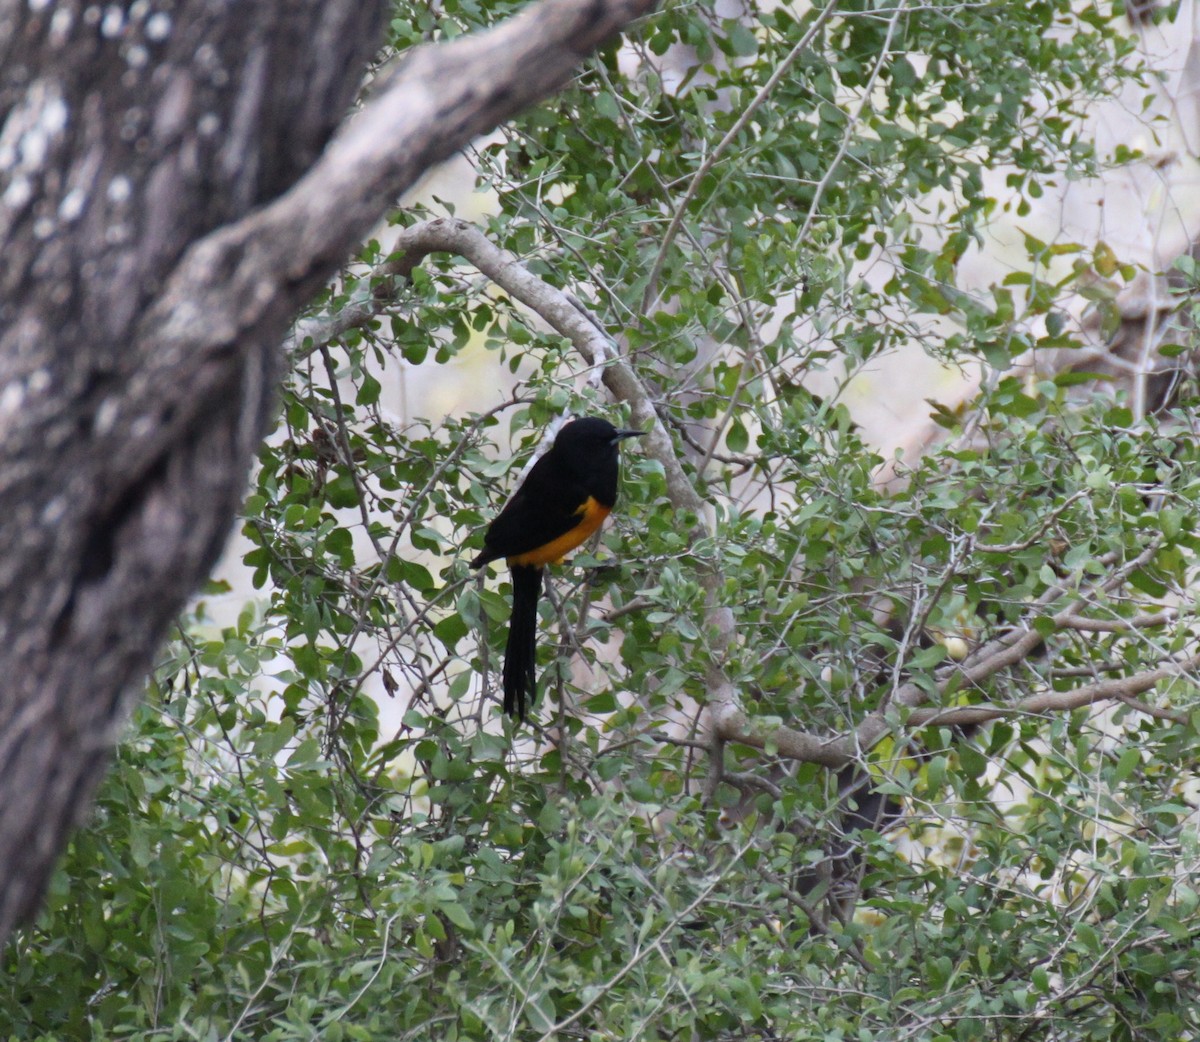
<point>545,507</point>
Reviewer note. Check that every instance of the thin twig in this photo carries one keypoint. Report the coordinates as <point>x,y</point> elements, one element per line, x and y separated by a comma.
<point>1047,521</point>
<point>709,161</point>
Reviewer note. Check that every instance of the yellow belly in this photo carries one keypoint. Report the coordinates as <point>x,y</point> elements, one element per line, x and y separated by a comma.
<point>591,517</point>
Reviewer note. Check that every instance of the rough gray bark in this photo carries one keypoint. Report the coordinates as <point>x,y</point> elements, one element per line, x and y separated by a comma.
<point>167,203</point>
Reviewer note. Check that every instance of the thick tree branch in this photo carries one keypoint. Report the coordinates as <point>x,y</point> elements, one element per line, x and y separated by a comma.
<point>257,272</point>
<point>172,218</point>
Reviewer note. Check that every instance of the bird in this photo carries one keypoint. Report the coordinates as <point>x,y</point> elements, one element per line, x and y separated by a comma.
<point>562,501</point>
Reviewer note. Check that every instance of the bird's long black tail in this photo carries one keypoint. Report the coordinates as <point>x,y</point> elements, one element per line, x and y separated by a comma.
<point>520,654</point>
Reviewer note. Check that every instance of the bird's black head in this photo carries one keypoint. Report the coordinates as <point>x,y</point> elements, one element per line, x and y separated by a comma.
<point>585,453</point>
<point>592,435</point>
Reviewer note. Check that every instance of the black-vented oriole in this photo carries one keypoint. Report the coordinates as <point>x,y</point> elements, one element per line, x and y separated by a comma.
<point>564,499</point>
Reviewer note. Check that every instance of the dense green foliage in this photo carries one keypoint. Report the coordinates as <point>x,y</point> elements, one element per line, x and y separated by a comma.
<point>270,860</point>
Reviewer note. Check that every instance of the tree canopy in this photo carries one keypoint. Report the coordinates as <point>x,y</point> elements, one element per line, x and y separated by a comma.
<point>828,745</point>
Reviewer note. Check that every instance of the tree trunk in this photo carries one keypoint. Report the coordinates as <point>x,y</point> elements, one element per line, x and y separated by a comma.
<point>153,258</point>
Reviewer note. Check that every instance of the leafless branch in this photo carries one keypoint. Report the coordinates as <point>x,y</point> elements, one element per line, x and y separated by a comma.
<point>1138,622</point>
<point>1004,652</point>
<point>1118,688</point>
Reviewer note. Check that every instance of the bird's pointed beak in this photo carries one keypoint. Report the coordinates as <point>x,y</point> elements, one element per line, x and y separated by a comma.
<point>622,435</point>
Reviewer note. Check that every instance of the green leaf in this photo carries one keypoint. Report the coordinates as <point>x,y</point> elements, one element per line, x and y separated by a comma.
<point>736,437</point>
